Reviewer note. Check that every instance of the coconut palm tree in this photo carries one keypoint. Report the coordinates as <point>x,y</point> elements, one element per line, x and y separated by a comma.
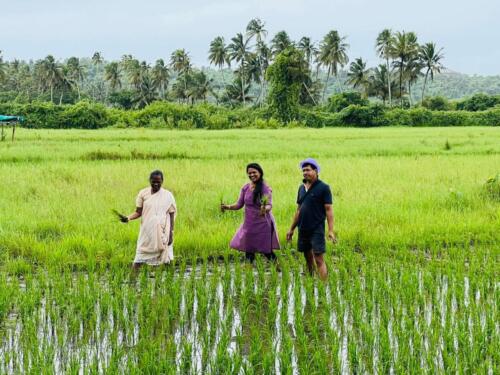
<point>180,61</point>
<point>51,74</point>
<point>253,68</point>
<point>199,87</point>
<point>65,83</point>
<point>333,54</point>
<point>218,55</point>
<point>75,73</point>
<point>97,58</point>
<point>403,49</point>
<point>234,95</point>
<point>264,55</point>
<point>430,57</point>
<point>160,75</point>
<point>238,50</point>
<point>146,90</point>
<point>378,83</point>
<point>383,46</point>
<point>256,28</point>
<point>358,76</point>
<point>280,42</point>
<point>133,69</point>
<point>112,75</point>
<point>413,71</point>
<point>181,64</point>
<point>308,49</point>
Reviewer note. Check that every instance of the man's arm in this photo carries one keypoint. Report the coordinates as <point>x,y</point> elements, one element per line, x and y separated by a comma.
<point>331,222</point>
<point>295,221</point>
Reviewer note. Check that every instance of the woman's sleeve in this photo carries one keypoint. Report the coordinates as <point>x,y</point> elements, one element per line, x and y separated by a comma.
<point>241,200</point>
<point>269,193</point>
<point>173,207</point>
<point>139,200</point>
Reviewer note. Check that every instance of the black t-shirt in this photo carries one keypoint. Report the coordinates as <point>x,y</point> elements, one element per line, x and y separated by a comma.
<point>312,213</point>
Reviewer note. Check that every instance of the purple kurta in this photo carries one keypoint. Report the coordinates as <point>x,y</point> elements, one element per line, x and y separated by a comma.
<point>257,233</point>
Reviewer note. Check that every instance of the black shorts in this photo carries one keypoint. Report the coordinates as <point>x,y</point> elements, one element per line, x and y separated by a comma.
<point>312,240</point>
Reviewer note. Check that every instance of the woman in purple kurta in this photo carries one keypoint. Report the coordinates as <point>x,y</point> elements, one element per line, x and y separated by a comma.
<point>257,234</point>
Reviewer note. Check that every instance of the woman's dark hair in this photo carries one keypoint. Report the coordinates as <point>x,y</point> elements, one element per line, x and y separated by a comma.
<point>156,173</point>
<point>257,193</point>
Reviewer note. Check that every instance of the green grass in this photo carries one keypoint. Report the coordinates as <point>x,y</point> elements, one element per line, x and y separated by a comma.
<point>413,282</point>
<point>393,188</point>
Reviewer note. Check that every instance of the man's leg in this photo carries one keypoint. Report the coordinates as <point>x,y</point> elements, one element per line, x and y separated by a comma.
<point>321,266</point>
<point>310,261</point>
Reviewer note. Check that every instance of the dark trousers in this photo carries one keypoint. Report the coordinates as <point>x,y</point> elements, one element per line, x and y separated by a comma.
<point>251,256</point>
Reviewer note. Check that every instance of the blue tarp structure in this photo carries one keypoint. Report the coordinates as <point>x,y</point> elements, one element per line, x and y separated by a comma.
<point>4,118</point>
<point>9,120</point>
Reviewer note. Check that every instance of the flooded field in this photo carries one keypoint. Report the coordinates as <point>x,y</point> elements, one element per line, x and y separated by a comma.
<point>234,318</point>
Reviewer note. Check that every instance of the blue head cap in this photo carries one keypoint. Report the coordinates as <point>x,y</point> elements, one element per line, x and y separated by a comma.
<point>311,161</point>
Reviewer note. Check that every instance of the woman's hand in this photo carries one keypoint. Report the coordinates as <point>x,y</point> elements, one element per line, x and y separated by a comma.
<point>124,219</point>
<point>224,207</point>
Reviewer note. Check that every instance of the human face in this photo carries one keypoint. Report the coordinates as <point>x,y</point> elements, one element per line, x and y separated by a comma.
<point>253,174</point>
<point>156,182</point>
<point>309,173</point>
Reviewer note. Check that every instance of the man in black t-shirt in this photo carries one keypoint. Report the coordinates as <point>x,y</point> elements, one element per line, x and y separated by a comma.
<point>314,205</point>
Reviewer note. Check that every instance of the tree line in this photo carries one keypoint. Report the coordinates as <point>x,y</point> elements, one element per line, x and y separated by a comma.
<point>243,62</point>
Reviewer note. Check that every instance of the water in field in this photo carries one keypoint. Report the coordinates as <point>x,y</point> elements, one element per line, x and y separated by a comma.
<point>232,318</point>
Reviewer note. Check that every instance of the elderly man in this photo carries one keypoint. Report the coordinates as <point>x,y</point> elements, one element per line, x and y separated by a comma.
<point>314,205</point>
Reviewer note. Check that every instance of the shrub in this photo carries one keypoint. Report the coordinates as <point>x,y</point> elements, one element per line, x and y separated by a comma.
<point>437,103</point>
<point>338,102</point>
<point>218,121</point>
<point>362,116</point>
<point>478,102</point>
<point>85,115</point>
<point>318,119</point>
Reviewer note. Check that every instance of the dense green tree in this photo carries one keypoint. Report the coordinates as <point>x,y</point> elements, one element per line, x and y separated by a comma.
<point>286,76</point>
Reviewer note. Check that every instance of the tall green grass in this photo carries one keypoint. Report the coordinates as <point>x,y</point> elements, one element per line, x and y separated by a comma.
<point>393,188</point>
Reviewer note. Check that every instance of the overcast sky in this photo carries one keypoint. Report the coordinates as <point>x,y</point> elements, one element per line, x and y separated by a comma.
<point>469,31</point>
